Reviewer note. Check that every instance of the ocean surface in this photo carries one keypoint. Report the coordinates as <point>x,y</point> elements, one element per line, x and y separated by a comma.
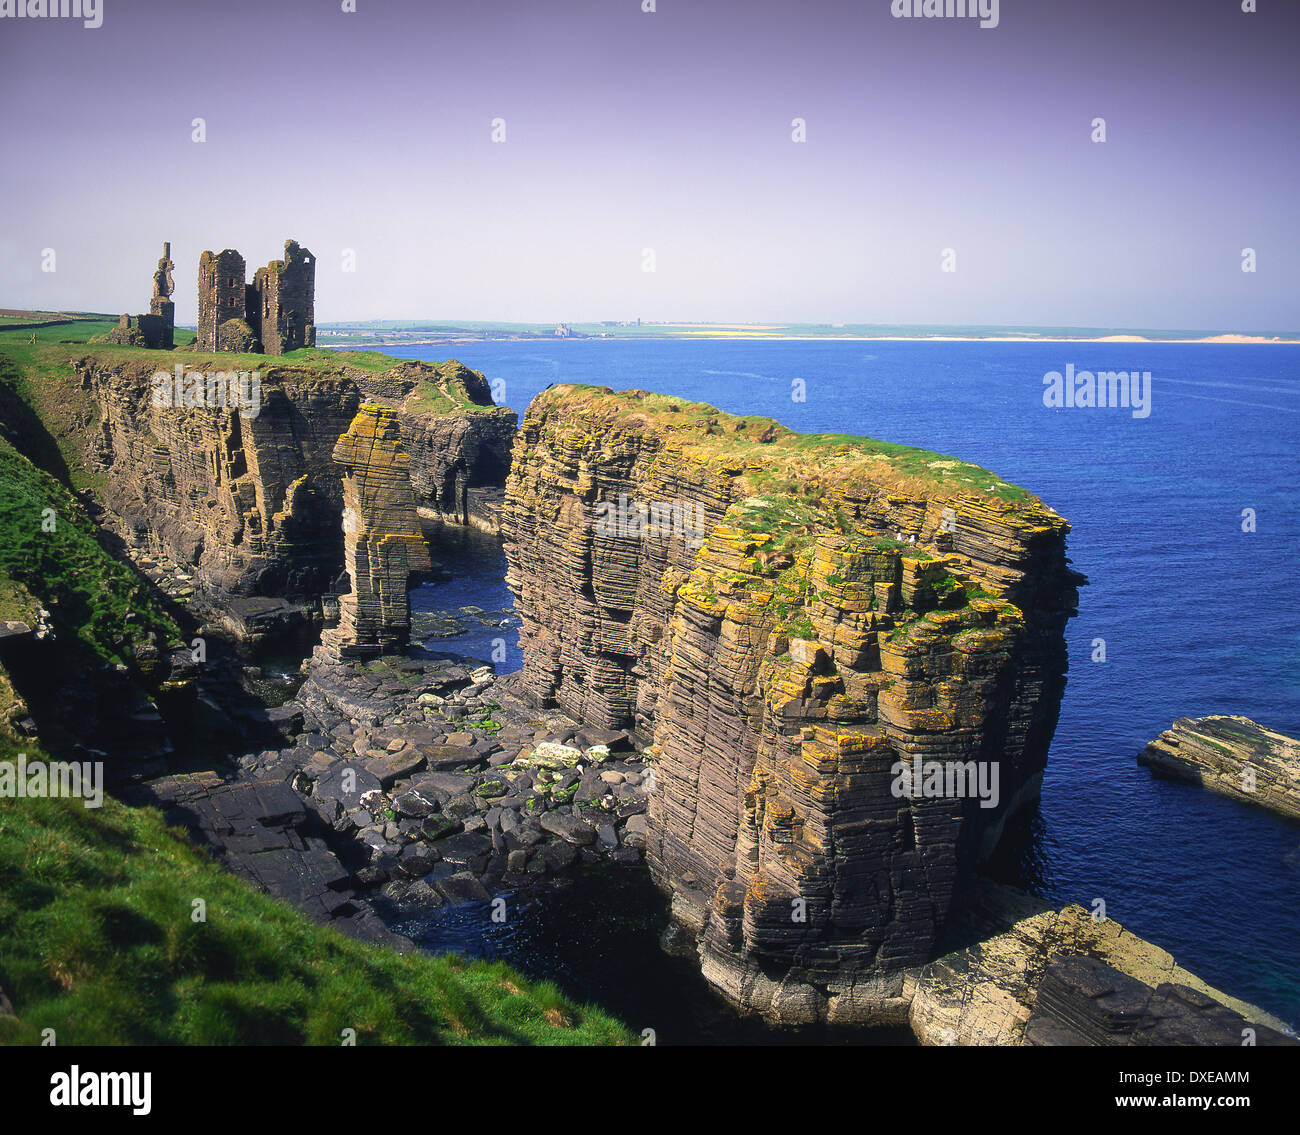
<point>1197,615</point>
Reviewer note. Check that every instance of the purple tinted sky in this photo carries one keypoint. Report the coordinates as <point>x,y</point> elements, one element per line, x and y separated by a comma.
<point>669,131</point>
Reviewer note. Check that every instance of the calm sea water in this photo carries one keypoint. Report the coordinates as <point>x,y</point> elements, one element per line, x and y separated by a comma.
<point>1197,615</point>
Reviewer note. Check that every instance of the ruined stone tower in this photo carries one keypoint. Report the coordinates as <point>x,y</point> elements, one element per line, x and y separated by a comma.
<point>223,303</point>
<point>158,328</point>
<point>274,314</point>
<point>284,317</point>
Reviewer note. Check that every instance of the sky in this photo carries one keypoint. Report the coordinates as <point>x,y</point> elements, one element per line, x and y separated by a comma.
<point>665,139</point>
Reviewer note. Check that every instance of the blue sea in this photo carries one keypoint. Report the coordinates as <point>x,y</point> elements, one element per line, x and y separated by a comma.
<point>1198,616</point>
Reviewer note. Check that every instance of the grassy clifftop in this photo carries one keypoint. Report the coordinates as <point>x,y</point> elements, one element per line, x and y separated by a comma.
<point>97,941</point>
<point>38,381</point>
<point>774,458</point>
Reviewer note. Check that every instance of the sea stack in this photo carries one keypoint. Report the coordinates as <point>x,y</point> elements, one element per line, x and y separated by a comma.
<point>836,608</point>
<point>383,541</point>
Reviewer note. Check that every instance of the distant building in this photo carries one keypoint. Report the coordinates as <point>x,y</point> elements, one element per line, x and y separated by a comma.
<point>274,314</point>
<point>562,332</point>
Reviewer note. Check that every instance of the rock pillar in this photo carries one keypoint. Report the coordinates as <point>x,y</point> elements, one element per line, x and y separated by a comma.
<point>383,541</point>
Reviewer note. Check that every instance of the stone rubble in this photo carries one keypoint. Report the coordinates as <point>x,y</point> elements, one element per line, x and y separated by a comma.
<point>437,784</point>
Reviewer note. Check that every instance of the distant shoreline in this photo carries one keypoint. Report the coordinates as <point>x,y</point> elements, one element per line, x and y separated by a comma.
<point>451,341</point>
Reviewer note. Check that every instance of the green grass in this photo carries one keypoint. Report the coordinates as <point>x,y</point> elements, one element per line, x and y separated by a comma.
<point>91,596</point>
<point>786,463</point>
<point>97,942</point>
<point>38,380</point>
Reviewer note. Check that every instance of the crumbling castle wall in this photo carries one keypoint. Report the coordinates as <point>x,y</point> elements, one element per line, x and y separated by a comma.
<point>284,314</point>
<point>274,314</point>
<point>222,298</point>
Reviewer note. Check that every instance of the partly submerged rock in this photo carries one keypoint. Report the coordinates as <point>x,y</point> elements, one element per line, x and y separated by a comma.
<point>1233,756</point>
<point>987,992</point>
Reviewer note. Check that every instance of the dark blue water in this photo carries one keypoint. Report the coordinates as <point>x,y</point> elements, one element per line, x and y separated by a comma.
<point>477,566</point>
<point>1198,616</point>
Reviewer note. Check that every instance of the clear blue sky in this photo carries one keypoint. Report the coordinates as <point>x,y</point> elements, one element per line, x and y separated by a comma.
<point>670,131</point>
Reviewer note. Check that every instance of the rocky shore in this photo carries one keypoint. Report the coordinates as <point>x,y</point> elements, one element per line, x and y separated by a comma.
<point>1232,756</point>
<point>725,702</point>
<point>412,783</point>
<point>1027,974</point>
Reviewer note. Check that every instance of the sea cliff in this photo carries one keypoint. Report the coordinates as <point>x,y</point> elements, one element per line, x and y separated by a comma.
<point>835,610</point>
<point>252,503</point>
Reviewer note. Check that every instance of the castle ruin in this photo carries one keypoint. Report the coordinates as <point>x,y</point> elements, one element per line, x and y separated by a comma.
<point>157,329</point>
<point>272,315</point>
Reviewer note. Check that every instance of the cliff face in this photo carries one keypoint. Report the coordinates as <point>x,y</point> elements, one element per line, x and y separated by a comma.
<point>253,503</point>
<point>459,459</point>
<point>822,610</point>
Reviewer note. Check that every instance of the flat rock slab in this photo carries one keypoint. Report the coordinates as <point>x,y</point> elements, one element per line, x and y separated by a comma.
<point>461,888</point>
<point>444,785</point>
<point>440,757</point>
<point>348,782</point>
<point>399,766</point>
<point>571,829</point>
<point>468,849</point>
<point>264,832</point>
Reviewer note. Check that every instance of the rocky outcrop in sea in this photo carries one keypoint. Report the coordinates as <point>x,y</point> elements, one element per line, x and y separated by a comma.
<point>1232,756</point>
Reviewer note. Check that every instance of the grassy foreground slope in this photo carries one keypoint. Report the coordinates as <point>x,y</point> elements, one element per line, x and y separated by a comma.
<point>97,942</point>
<point>49,551</point>
<point>97,939</point>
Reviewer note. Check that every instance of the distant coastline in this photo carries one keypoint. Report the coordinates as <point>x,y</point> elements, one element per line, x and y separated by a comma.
<point>451,340</point>
<point>362,335</point>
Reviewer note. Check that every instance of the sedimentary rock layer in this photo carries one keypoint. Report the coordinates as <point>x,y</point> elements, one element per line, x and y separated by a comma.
<point>253,503</point>
<point>1040,976</point>
<point>815,611</point>
<point>382,538</point>
<point>1233,756</point>
<point>459,445</point>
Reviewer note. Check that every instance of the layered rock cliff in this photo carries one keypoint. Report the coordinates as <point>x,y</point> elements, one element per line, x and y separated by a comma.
<point>383,542</point>
<point>799,624</point>
<point>1026,973</point>
<point>459,447</point>
<point>252,502</point>
<point>1232,756</point>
